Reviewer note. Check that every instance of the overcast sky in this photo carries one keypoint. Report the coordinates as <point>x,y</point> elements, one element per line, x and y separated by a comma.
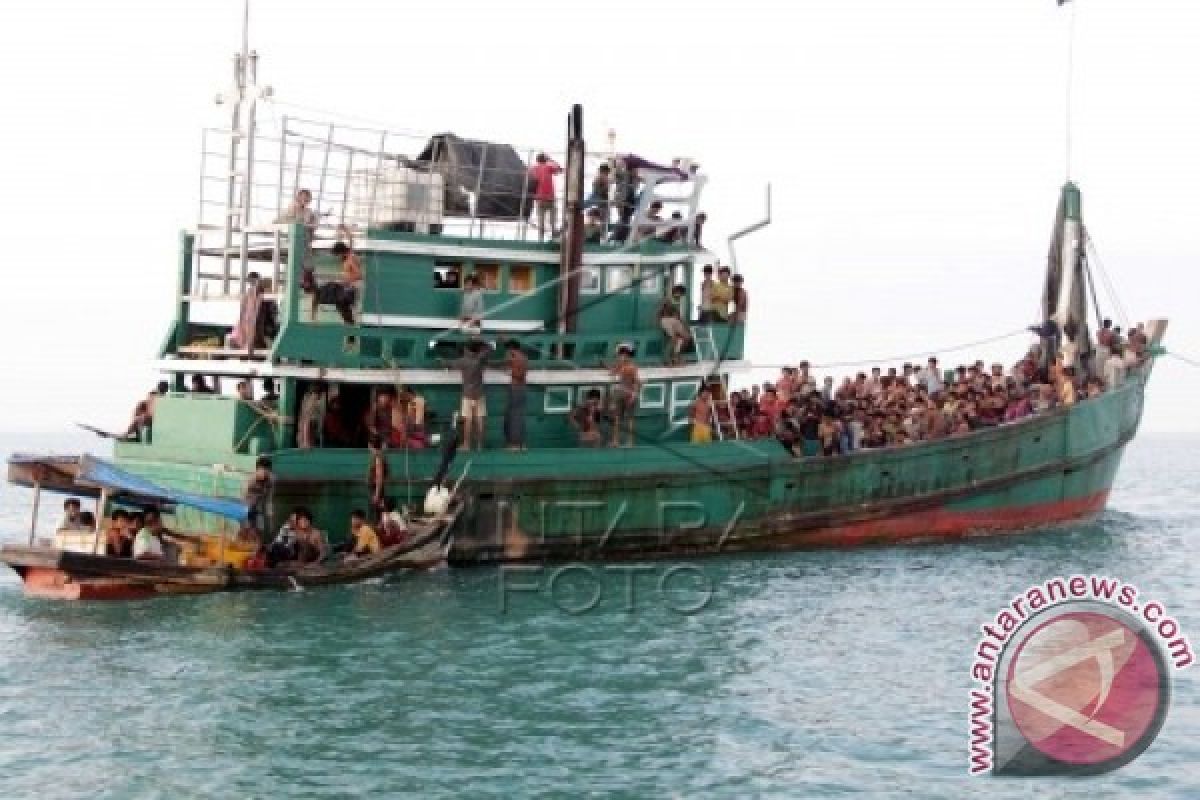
<point>916,151</point>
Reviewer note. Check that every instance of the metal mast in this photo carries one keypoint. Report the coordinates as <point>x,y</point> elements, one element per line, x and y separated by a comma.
<point>244,100</point>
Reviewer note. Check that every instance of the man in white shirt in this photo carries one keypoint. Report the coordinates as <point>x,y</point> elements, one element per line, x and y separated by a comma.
<point>930,377</point>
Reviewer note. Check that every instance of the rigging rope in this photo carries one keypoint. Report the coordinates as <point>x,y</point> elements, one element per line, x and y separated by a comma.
<point>1109,286</point>
<point>907,356</point>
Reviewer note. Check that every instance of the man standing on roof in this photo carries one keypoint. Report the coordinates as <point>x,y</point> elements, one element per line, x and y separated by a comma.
<point>541,174</point>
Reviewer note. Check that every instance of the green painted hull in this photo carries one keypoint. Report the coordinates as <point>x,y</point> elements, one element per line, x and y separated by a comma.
<point>679,498</point>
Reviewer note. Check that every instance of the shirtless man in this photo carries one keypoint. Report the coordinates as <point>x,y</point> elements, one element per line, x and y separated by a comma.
<point>670,319</point>
<point>625,394</point>
<point>586,420</point>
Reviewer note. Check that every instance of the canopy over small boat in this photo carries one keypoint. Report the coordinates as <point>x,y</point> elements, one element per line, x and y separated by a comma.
<point>89,476</point>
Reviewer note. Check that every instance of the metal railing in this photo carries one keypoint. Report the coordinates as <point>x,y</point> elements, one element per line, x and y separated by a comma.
<point>366,178</point>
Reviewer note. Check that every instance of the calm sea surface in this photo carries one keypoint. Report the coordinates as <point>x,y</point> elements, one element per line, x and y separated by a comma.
<point>807,675</point>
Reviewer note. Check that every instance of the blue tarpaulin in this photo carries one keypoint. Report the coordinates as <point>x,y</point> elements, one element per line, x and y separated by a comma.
<point>102,473</point>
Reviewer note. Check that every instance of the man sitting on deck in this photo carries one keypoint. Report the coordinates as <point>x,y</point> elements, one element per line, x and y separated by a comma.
<point>149,543</point>
<point>119,539</point>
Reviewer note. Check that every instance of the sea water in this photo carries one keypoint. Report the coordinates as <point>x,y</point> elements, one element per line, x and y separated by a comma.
<point>806,675</point>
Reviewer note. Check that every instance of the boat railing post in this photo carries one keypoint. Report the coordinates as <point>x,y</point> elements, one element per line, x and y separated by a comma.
<point>37,500</point>
<point>347,185</point>
<point>100,505</point>
<point>282,167</point>
<point>378,178</point>
<point>523,225</point>
<point>324,167</point>
<point>478,190</point>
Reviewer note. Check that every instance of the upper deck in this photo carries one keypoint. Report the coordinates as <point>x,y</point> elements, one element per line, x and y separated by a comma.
<point>425,213</point>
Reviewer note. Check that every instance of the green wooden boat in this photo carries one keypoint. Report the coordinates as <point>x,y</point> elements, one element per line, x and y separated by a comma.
<point>428,213</point>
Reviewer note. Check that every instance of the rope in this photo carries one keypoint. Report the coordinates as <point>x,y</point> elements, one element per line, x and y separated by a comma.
<point>1185,359</point>
<point>1109,285</point>
<point>906,356</point>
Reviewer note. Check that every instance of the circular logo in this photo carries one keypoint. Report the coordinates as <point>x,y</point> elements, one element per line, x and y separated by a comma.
<point>1087,688</point>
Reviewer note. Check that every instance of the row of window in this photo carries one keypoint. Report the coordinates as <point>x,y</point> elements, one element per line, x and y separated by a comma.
<point>521,278</point>
<point>677,401</point>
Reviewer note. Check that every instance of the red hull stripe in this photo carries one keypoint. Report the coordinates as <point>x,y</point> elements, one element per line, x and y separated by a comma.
<point>947,524</point>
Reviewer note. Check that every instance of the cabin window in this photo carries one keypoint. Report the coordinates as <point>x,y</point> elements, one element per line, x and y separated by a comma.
<point>654,395</point>
<point>620,278</point>
<point>489,276</point>
<point>447,275</point>
<point>650,277</point>
<point>601,388</point>
<point>557,400</point>
<point>682,395</point>
<point>589,281</point>
<point>520,279</point>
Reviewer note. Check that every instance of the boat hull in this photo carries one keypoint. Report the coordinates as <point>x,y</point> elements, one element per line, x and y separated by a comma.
<point>667,497</point>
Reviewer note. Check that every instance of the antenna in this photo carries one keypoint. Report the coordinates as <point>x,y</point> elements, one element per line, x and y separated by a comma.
<point>1070,81</point>
<point>243,97</point>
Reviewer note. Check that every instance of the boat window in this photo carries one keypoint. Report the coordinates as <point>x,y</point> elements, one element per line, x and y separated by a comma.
<point>589,281</point>
<point>620,278</point>
<point>654,395</point>
<point>489,276</point>
<point>649,276</point>
<point>682,395</point>
<point>520,278</point>
<point>447,275</point>
<point>557,400</point>
<point>601,388</point>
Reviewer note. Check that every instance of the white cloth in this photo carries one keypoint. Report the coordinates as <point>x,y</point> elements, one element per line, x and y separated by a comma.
<point>147,544</point>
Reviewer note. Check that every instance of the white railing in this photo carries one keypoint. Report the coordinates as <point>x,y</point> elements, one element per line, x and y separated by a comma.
<point>369,178</point>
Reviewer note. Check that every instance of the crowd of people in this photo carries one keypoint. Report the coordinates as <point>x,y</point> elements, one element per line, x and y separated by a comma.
<point>913,402</point>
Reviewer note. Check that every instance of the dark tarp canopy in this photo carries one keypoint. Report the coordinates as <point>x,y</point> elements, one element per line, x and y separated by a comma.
<point>503,186</point>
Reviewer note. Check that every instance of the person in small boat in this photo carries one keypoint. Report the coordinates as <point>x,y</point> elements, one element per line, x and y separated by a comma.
<point>154,542</point>
<point>363,540</point>
<point>586,419</point>
<point>701,414</point>
<point>245,392</point>
<point>471,365</point>
<point>118,541</point>
<point>393,527</point>
<point>298,543</point>
<point>625,395</point>
<point>670,320</point>
<point>87,521</point>
<point>258,492</point>
<point>71,511</point>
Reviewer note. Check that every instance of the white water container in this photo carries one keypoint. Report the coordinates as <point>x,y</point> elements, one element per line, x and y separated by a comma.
<point>437,500</point>
<point>402,198</point>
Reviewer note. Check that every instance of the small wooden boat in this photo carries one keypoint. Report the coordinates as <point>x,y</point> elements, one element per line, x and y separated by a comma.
<point>73,566</point>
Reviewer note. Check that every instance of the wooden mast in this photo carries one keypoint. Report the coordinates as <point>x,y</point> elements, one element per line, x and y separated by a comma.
<point>571,255</point>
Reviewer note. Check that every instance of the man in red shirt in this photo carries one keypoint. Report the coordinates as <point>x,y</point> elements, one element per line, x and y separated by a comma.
<point>541,175</point>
